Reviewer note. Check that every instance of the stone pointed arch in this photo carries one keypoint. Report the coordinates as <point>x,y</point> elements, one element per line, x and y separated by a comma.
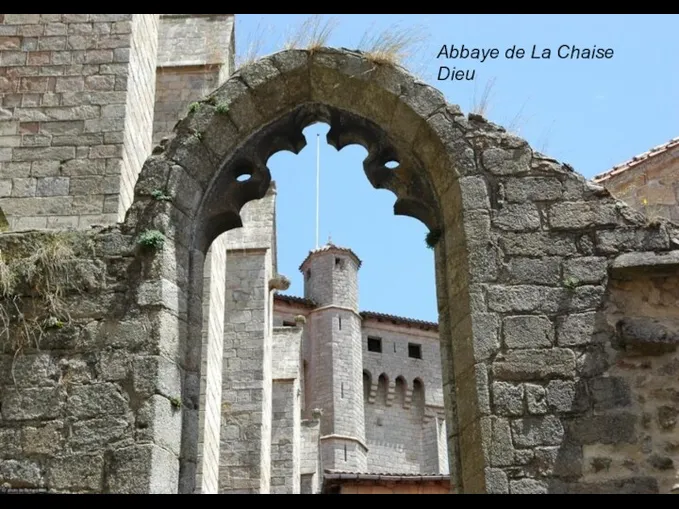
<point>508,225</point>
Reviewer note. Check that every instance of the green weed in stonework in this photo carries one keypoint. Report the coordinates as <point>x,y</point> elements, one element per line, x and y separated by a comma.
<point>222,108</point>
<point>151,239</point>
<point>198,135</point>
<point>193,107</point>
<point>433,238</point>
<point>160,195</point>
<point>176,403</point>
<point>571,283</point>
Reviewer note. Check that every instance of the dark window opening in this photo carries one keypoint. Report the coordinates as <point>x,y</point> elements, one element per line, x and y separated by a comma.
<point>375,345</point>
<point>394,347</point>
<point>414,351</point>
<point>288,324</point>
<point>339,322</point>
<point>338,262</point>
<point>345,453</point>
<point>342,390</point>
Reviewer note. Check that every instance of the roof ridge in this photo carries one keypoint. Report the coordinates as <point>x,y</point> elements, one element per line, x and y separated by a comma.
<point>366,314</point>
<point>636,160</point>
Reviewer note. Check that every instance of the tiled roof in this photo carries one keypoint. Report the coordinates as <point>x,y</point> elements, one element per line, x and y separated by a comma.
<point>366,315</point>
<point>291,299</point>
<point>655,151</point>
<point>332,247</point>
<point>400,320</point>
<point>332,475</point>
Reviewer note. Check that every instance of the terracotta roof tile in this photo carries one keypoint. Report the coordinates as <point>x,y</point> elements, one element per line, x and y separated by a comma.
<point>331,247</point>
<point>655,151</point>
<point>366,315</point>
<point>383,476</point>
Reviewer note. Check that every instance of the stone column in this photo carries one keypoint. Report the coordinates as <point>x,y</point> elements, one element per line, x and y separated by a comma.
<point>286,399</point>
<point>245,447</point>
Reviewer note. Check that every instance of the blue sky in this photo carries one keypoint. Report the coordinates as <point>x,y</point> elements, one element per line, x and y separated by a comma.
<point>589,114</point>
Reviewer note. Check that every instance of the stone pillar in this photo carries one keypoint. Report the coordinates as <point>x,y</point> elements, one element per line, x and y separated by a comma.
<point>245,446</point>
<point>286,411</point>
<point>246,383</point>
<point>214,286</point>
<point>310,463</point>
<point>430,463</point>
<point>195,56</point>
<point>76,110</point>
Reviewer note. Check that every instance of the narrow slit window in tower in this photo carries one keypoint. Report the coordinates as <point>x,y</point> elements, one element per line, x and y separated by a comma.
<point>339,322</point>
<point>342,390</point>
<point>345,453</point>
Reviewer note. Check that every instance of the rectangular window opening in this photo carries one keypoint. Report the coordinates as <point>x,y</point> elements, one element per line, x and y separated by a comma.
<point>342,390</point>
<point>345,453</point>
<point>414,351</point>
<point>339,322</point>
<point>374,344</point>
<point>288,324</point>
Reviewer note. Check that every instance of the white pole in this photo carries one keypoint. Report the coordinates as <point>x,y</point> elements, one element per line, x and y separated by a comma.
<point>318,183</point>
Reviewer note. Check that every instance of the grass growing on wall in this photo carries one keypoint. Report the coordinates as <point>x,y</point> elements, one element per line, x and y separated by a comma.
<point>36,273</point>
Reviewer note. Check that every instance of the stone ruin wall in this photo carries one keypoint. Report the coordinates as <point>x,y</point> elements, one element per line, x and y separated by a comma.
<point>584,402</point>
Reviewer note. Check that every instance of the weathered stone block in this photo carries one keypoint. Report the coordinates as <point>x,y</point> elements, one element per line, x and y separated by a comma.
<point>500,450</point>
<point>96,400</point>
<point>525,365</point>
<point>587,269</point>
<point>508,399</point>
<point>506,162</point>
<point>91,435</point>
<point>28,404</point>
<point>21,474</point>
<point>536,431</point>
<point>47,439</point>
<point>581,215</point>
<point>517,218</point>
<point>496,481</point>
<point>651,336</point>
<point>536,399</point>
<point>528,487</point>
<point>77,472</point>
<point>528,332</point>
<point>566,396</point>
<point>545,271</point>
<point>576,330</point>
<point>533,189</point>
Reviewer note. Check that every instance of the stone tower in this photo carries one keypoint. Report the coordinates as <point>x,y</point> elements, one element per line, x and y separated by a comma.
<point>336,356</point>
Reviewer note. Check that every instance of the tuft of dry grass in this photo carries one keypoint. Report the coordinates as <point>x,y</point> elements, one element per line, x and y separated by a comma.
<point>481,105</point>
<point>312,34</point>
<point>543,142</point>
<point>33,282</point>
<point>396,45</point>
<point>253,48</point>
